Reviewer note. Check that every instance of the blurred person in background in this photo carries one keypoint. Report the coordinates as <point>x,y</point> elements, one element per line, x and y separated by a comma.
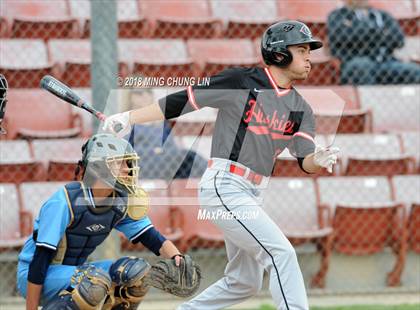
<point>364,39</point>
<point>160,156</point>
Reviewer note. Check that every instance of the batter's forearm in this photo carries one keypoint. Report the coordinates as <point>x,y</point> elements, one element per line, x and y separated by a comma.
<point>149,113</point>
<point>309,165</point>
<point>33,294</point>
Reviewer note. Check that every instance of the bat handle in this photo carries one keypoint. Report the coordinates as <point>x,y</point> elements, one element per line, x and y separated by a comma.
<point>117,127</point>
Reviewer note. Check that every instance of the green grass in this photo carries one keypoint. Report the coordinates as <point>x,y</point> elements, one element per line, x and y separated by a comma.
<point>359,307</point>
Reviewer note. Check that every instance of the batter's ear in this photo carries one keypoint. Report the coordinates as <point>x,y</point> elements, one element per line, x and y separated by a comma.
<point>279,56</point>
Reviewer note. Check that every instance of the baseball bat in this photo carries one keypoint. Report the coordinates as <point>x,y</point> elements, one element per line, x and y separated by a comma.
<point>65,93</point>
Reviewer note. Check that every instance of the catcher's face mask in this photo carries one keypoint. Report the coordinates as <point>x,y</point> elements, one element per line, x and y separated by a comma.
<point>125,170</point>
<point>3,101</point>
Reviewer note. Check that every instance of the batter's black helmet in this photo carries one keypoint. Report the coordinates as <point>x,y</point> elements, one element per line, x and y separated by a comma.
<point>279,36</point>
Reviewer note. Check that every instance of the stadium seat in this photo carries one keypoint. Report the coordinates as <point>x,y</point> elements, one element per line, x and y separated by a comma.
<point>35,113</point>
<point>13,232</point>
<point>245,19</point>
<point>59,156</point>
<point>130,23</point>
<point>404,11</point>
<point>39,19</point>
<point>411,145</point>
<point>313,13</point>
<point>197,233</point>
<point>215,55</point>
<point>365,218</point>
<point>411,49</point>
<point>406,189</point>
<point>161,59</point>
<point>4,31</point>
<point>301,218</point>
<point>35,194</point>
<point>24,62</point>
<point>286,165</point>
<point>86,118</point>
<point>17,164</point>
<point>379,154</point>
<point>74,58</point>
<point>394,107</point>
<point>180,19</point>
<point>336,109</point>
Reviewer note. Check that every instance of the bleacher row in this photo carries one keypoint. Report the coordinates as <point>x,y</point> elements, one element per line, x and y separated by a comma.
<point>180,18</point>
<point>152,33</point>
<point>349,215</point>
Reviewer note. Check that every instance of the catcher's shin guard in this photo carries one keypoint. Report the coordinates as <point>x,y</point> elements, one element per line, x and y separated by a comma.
<point>127,275</point>
<point>89,288</point>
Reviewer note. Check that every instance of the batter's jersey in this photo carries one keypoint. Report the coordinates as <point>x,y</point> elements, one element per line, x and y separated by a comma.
<point>256,120</point>
<point>53,219</point>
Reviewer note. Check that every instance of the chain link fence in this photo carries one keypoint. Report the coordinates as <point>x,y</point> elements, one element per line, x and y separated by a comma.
<point>355,230</point>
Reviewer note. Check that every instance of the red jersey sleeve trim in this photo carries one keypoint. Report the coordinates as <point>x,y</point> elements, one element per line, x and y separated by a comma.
<point>304,135</point>
<point>191,98</point>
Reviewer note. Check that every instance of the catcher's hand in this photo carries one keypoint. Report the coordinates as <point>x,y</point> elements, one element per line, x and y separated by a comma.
<point>183,280</point>
<point>326,157</point>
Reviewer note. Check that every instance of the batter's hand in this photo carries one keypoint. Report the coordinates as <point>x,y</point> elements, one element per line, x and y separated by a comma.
<point>326,157</point>
<point>118,124</point>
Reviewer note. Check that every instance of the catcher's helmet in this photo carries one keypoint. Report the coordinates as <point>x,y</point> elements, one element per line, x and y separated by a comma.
<point>279,36</point>
<point>103,158</point>
<point>3,100</point>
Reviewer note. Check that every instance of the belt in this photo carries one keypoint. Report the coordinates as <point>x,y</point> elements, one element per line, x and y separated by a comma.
<point>243,172</point>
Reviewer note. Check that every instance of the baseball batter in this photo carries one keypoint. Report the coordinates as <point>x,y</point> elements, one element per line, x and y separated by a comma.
<point>260,114</point>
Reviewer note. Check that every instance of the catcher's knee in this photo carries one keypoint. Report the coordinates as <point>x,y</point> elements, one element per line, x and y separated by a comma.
<point>129,271</point>
<point>89,288</point>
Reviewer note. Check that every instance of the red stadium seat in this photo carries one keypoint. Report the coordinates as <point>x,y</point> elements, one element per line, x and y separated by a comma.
<point>12,230</point>
<point>411,146</point>
<point>406,189</point>
<point>300,217</point>
<point>86,118</point>
<point>130,23</point>
<point>328,103</point>
<point>245,19</point>
<point>404,11</point>
<point>53,118</point>
<point>35,194</point>
<point>197,233</point>
<point>17,164</point>
<point>411,50</point>
<point>287,166</point>
<point>39,19</point>
<point>216,55</point>
<point>160,214</point>
<point>365,217</point>
<point>59,156</point>
<point>394,107</point>
<point>74,57</point>
<point>313,13</point>
<point>373,155</point>
<point>4,31</point>
<point>24,62</point>
<point>156,58</point>
<point>180,19</point>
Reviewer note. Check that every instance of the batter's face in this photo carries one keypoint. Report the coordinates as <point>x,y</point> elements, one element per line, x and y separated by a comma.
<point>301,65</point>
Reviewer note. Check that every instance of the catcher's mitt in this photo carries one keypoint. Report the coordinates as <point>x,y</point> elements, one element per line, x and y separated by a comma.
<point>183,280</point>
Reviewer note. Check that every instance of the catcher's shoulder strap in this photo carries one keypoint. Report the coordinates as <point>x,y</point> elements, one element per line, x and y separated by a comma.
<point>138,204</point>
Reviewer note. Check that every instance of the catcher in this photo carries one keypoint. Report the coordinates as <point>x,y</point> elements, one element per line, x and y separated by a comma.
<point>52,269</point>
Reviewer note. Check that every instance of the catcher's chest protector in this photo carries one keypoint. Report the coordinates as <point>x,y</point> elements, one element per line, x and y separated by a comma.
<point>88,228</point>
